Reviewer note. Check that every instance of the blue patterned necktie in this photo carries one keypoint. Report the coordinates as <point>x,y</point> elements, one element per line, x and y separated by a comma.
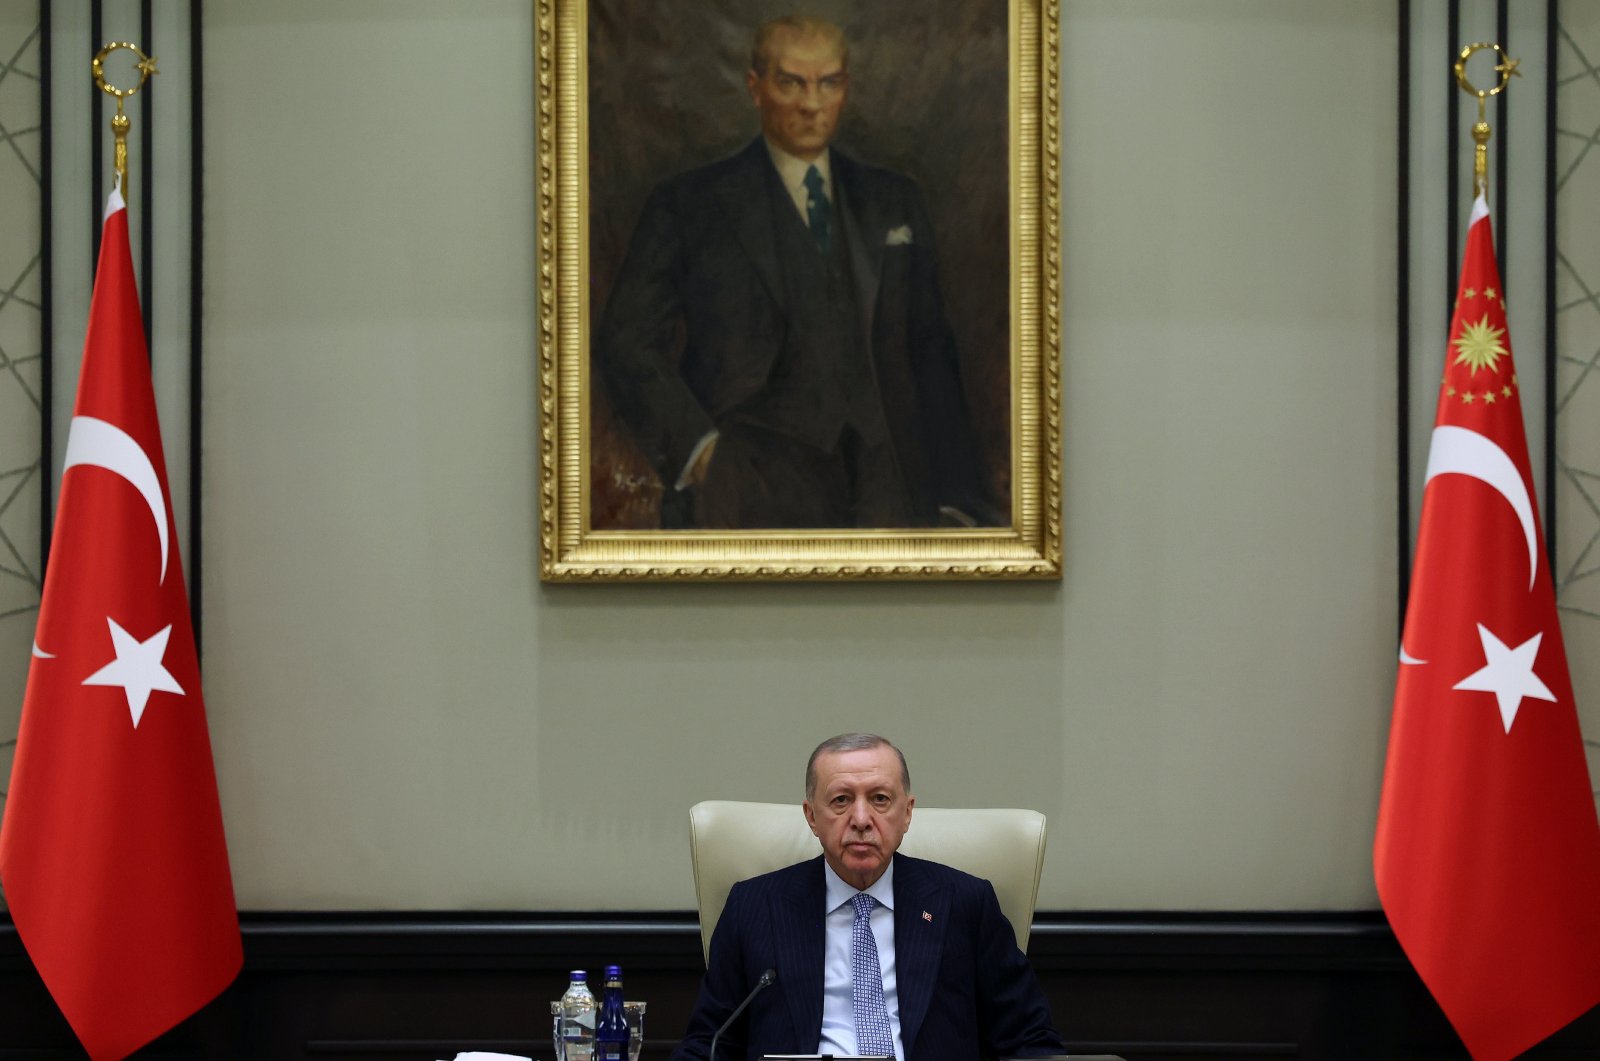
<point>818,209</point>
<point>873,1037</point>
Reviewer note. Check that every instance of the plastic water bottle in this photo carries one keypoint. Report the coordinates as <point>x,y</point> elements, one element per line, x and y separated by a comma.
<point>611,1030</point>
<point>577,1019</point>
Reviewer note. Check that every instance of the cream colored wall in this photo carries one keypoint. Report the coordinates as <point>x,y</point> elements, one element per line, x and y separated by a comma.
<point>404,717</point>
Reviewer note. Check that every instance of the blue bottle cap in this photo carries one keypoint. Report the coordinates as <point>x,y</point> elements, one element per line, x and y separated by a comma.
<point>613,972</point>
<point>579,974</point>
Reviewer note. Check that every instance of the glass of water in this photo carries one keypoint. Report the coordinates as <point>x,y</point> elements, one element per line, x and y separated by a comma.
<point>555,1032</point>
<point>633,1013</point>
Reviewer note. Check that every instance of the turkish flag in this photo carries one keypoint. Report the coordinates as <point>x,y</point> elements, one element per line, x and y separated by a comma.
<point>112,856</point>
<point>1487,855</point>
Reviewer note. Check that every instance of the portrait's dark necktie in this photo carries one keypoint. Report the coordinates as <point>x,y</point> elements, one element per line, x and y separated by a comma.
<point>866,982</point>
<point>818,208</point>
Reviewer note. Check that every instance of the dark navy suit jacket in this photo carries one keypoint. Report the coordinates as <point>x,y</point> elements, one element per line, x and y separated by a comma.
<point>966,991</point>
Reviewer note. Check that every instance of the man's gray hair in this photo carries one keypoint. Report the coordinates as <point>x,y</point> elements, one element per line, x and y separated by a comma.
<point>800,26</point>
<point>854,742</point>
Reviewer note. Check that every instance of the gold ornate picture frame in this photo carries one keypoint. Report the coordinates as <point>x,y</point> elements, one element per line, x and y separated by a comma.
<point>647,112</point>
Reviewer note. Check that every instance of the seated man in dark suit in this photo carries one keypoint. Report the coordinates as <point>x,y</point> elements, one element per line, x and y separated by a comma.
<point>875,953</point>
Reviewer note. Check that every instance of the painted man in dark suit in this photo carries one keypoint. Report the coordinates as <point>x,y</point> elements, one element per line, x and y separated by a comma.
<point>776,341</point>
<point>949,982</point>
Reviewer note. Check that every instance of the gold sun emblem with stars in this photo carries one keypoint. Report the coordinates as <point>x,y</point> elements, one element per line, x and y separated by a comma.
<point>1479,346</point>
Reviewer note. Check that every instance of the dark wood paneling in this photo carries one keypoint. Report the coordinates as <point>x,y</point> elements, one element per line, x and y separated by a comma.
<point>417,987</point>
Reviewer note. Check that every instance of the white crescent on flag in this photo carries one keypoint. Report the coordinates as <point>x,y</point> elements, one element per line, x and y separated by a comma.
<point>1458,451</point>
<point>98,444</point>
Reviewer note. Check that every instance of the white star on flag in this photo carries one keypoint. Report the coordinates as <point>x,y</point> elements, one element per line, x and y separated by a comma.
<point>1508,674</point>
<point>137,669</point>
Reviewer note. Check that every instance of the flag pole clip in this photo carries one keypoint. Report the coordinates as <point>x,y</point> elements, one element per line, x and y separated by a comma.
<point>1507,69</point>
<point>146,66</point>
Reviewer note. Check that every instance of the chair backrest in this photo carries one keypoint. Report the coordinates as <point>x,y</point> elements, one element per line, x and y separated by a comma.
<point>730,841</point>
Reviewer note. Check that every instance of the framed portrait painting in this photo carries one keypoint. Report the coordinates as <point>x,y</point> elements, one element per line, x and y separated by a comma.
<point>799,289</point>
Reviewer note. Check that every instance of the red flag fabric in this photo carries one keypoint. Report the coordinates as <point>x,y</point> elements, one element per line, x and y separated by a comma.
<point>1487,855</point>
<point>112,854</point>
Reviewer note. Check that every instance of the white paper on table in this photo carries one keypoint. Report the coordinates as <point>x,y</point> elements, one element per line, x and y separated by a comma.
<point>484,1055</point>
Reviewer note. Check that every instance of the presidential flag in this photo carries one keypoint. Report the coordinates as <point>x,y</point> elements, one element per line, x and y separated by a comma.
<point>1487,856</point>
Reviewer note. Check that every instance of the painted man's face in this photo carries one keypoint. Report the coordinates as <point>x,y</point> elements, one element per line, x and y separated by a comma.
<point>801,94</point>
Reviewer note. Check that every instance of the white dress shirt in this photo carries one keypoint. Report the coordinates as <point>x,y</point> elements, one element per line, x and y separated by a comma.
<point>838,1007</point>
<point>792,172</point>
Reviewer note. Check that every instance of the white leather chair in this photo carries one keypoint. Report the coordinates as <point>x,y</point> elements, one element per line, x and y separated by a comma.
<point>730,841</point>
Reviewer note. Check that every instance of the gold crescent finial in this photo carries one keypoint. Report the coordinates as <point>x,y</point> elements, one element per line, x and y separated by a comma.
<point>119,122</point>
<point>1507,69</point>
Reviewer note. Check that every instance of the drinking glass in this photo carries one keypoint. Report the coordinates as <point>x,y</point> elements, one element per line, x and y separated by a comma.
<point>555,1031</point>
<point>633,1013</point>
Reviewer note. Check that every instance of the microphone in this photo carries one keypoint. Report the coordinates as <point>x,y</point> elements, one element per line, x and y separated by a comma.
<point>765,981</point>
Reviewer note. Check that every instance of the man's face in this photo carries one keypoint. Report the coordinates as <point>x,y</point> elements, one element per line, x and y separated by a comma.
<point>801,94</point>
<point>859,810</point>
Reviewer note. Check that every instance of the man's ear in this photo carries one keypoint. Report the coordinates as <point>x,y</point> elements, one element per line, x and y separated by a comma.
<point>811,819</point>
<point>751,79</point>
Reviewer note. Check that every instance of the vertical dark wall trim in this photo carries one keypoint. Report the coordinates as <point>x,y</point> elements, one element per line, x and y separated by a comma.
<point>1552,22</point>
<point>1452,167</point>
<point>197,128</point>
<point>1402,340</point>
<point>97,194</point>
<point>47,389</point>
<point>1502,136</point>
<point>147,199</point>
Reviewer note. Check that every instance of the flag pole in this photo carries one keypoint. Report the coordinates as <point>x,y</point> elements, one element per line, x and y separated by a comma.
<point>146,66</point>
<point>1507,69</point>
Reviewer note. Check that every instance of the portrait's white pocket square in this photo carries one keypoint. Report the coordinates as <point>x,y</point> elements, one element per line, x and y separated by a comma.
<point>898,237</point>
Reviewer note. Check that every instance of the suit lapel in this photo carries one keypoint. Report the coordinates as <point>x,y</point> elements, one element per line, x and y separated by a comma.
<point>920,917</point>
<point>797,926</point>
<point>865,229</point>
<point>746,199</point>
